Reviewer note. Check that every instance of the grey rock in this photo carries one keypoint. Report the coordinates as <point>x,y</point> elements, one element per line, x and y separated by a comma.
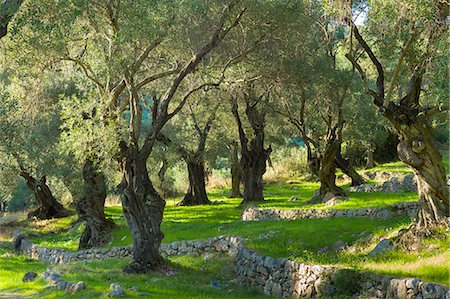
<point>29,276</point>
<point>215,284</point>
<point>340,245</point>
<point>78,287</point>
<point>381,247</point>
<point>143,294</point>
<point>277,291</point>
<point>117,290</point>
<point>61,285</point>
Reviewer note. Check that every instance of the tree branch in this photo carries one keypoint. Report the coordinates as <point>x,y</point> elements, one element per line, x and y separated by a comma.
<point>373,58</point>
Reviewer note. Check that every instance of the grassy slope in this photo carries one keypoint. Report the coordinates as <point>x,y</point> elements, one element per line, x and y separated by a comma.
<point>298,239</point>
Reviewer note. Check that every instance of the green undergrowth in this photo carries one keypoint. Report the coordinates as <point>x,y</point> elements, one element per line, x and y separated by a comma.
<point>298,239</point>
<point>223,217</point>
<point>191,279</point>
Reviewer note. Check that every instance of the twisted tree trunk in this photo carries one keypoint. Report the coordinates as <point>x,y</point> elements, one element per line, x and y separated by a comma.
<point>324,168</point>
<point>163,187</point>
<point>48,207</point>
<point>418,150</point>
<point>196,194</point>
<point>413,125</point>
<point>348,169</point>
<point>143,209</point>
<point>253,154</point>
<point>253,164</point>
<point>236,172</point>
<point>91,209</point>
<point>370,163</point>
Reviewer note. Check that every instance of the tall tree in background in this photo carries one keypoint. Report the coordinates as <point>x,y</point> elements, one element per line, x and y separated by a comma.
<point>29,135</point>
<point>421,34</point>
<point>254,155</point>
<point>195,160</point>
<point>236,170</point>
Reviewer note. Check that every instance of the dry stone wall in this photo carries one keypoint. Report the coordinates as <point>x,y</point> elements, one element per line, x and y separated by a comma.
<point>278,277</point>
<point>253,213</point>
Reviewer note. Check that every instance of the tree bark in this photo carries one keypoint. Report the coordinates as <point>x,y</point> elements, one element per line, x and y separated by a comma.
<point>253,166</point>
<point>370,161</point>
<point>143,209</point>
<point>324,168</point>
<point>236,171</point>
<point>48,207</point>
<point>348,169</point>
<point>416,148</point>
<point>163,187</point>
<point>196,194</point>
<point>253,154</point>
<point>91,209</point>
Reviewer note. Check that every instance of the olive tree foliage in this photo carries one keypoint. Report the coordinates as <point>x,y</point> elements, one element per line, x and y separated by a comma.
<point>398,84</point>
<point>7,10</point>
<point>29,119</point>
<point>123,49</point>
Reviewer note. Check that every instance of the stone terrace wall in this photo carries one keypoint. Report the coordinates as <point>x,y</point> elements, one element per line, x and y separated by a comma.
<point>286,278</point>
<point>252,213</point>
<point>196,247</point>
<point>279,277</point>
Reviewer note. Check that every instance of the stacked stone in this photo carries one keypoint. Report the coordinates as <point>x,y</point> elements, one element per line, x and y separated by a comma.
<point>278,277</point>
<point>378,286</point>
<point>396,183</point>
<point>253,213</point>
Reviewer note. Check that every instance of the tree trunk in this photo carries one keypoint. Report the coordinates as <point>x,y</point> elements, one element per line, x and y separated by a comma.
<point>348,169</point>
<point>48,207</point>
<point>196,194</point>
<point>370,162</point>
<point>417,149</point>
<point>236,172</point>
<point>163,186</point>
<point>143,209</point>
<point>324,168</point>
<point>91,209</point>
<point>253,168</point>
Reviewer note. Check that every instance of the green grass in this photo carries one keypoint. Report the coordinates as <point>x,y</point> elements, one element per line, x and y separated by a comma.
<point>192,278</point>
<point>299,240</point>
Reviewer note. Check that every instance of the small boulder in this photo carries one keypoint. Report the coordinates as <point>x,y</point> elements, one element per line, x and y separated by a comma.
<point>117,290</point>
<point>29,276</point>
<point>339,245</point>
<point>381,247</point>
<point>335,200</point>
<point>216,285</point>
<point>78,287</point>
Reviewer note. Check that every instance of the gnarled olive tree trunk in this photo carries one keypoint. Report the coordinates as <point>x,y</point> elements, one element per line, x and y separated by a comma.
<point>418,150</point>
<point>253,154</point>
<point>196,194</point>
<point>370,163</point>
<point>413,125</point>
<point>48,206</point>
<point>348,169</point>
<point>324,168</point>
<point>91,208</point>
<point>253,164</point>
<point>236,171</point>
<point>143,209</point>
